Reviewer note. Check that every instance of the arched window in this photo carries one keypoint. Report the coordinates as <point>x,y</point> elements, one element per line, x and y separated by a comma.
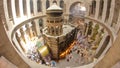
<point>39,5</point>
<point>41,22</point>
<point>52,29</point>
<point>31,6</point>
<point>90,24</point>
<point>9,9</point>
<point>93,7</point>
<point>108,9</point>
<point>77,10</point>
<point>61,3</point>
<point>24,7</point>
<point>17,8</point>
<point>47,4</point>
<point>101,8</point>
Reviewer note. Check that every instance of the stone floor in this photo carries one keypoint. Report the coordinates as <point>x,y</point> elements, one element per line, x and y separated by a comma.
<point>4,63</point>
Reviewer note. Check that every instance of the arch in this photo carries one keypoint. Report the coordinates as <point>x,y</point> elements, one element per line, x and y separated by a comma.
<point>101,8</point>
<point>108,9</point>
<point>77,9</point>
<point>55,1</point>
<point>17,8</point>
<point>90,24</point>
<point>104,45</point>
<point>93,7</point>
<point>61,3</point>
<point>24,7</point>
<point>47,3</point>
<point>31,6</point>
<point>52,29</point>
<point>39,5</point>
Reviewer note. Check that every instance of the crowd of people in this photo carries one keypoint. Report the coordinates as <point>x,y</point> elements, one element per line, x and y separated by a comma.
<point>81,52</point>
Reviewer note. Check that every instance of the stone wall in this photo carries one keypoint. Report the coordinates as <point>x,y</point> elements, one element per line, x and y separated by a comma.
<point>112,56</point>
<point>7,50</point>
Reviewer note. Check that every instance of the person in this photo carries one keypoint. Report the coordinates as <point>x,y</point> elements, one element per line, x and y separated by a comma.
<point>67,59</point>
<point>53,63</point>
<point>78,51</point>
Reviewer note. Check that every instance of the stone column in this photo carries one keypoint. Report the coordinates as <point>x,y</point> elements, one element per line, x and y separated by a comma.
<point>30,28</point>
<point>22,34</point>
<point>117,26</point>
<point>21,8</point>
<point>28,8</point>
<point>37,26</point>
<point>18,37</point>
<point>104,11</point>
<point>111,12</point>
<point>35,7</point>
<point>13,9</point>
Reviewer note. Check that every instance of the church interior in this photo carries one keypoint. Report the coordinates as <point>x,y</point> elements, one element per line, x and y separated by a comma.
<point>59,34</point>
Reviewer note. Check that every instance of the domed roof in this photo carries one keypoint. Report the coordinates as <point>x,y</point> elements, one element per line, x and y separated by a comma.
<point>54,7</point>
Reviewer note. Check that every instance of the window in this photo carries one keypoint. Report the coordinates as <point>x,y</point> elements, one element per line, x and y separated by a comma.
<point>31,6</point>
<point>101,8</point>
<point>39,5</point>
<point>77,10</point>
<point>47,4</point>
<point>93,7</point>
<point>90,28</point>
<point>61,3</point>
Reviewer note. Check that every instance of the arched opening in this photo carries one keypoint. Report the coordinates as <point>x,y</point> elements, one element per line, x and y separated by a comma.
<point>40,24</point>
<point>55,1</point>
<point>108,9</point>
<point>24,7</point>
<point>93,7</point>
<point>77,10</point>
<point>89,31</point>
<point>101,8</point>
<point>104,45</point>
<point>61,3</point>
<point>17,8</point>
<point>39,5</point>
<point>47,4</point>
<point>31,7</point>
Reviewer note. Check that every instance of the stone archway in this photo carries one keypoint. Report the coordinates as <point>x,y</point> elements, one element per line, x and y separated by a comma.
<point>77,10</point>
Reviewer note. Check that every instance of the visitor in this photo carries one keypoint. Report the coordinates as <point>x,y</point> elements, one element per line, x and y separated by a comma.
<point>67,59</point>
<point>53,63</point>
